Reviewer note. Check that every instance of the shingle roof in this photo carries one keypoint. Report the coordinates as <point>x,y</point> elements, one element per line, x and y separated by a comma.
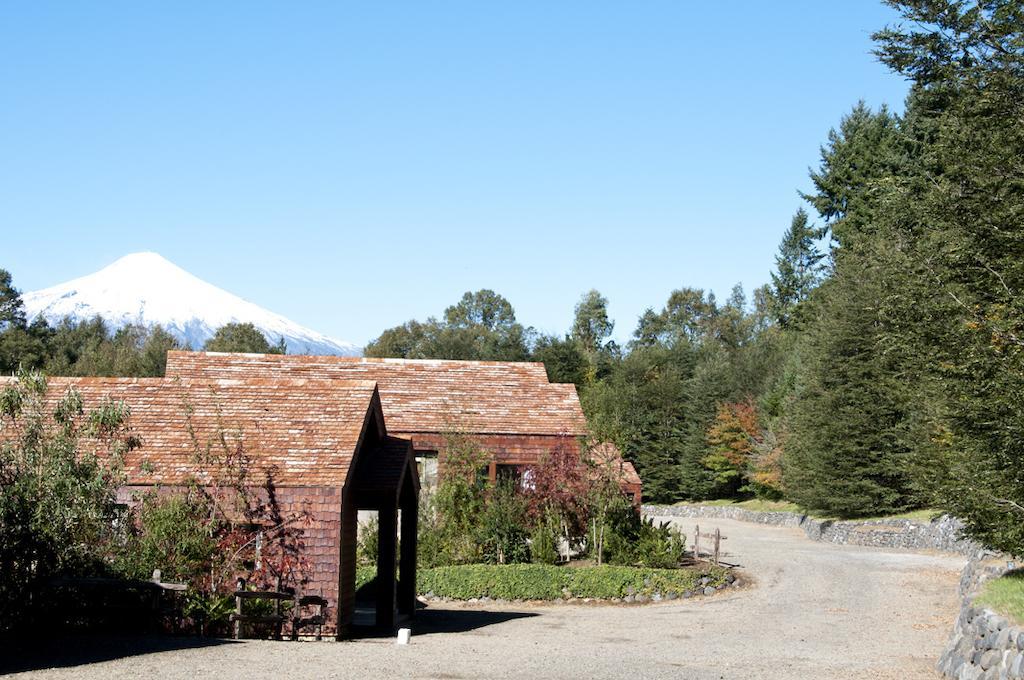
<point>304,432</point>
<point>483,397</point>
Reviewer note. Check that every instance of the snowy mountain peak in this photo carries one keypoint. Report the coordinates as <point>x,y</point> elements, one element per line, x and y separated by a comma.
<point>145,288</point>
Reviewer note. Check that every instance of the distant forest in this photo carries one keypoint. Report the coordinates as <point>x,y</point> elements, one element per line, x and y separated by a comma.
<point>94,348</point>
<point>881,370</point>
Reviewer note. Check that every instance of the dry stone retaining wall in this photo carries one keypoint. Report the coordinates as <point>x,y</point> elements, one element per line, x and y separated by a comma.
<point>983,645</point>
<point>942,533</point>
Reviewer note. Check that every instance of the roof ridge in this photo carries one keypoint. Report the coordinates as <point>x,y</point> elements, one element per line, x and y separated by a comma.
<point>368,360</point>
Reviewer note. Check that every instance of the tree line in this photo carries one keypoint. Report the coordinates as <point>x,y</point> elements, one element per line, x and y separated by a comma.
<point>93,347</point>
<point>882,369</point>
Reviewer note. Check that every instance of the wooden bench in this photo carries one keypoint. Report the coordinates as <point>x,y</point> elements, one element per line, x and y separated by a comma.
<point>300,602</point>
<point>315,619</point>
<point>115,598</point>
<point>276,619</point>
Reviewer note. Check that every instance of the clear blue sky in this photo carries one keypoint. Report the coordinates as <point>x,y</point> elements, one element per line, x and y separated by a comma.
<point>355,165</point>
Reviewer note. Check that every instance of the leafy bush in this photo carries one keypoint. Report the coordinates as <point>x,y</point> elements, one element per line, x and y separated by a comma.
<point>548,582</point>
<point>659,546</point>
<point>369,535</point>
<point>560,487</point>
<point>208,611</point>
<point>544,540</point>
<point>636,541</point>
<point>502,533</point>
<point>454,513</point>
<point>57,501</point>
<point>365,575</point>
<point>174,534</point>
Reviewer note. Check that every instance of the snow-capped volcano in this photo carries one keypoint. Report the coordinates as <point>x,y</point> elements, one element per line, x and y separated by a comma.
<point>144,288</point>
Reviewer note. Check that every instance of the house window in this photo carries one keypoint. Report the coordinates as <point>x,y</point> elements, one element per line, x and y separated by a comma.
<point>509,473</point>
<point>426,465</point>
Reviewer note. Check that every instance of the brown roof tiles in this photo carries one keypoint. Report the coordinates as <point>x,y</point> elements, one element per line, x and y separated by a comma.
<point>302,432</point>
<point>482,397</point>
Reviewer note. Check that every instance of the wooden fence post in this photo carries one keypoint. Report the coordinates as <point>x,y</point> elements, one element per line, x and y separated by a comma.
<point>239,586</point>
<point>277,609</point>
<point>696,543</point>
<point>718,543</point>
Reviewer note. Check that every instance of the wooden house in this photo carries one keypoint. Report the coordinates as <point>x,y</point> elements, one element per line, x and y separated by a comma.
<point>510,409</point>
<point>319,448</point>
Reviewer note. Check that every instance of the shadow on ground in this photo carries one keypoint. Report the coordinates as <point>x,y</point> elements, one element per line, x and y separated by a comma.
<point>461,620</point>
<point>66,651</point>
<point>431,620</point>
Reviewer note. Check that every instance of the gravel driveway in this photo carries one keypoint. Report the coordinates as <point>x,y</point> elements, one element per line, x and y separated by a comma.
<point>816,611</point>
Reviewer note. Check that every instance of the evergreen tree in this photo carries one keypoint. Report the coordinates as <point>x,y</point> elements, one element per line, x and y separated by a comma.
<point>845,455</point>
<point>20,345</point>
<point>563,359</point>
<point>956,313</point>
<point>641,406</point>
<point>798,268</point>
<point>857,165</point>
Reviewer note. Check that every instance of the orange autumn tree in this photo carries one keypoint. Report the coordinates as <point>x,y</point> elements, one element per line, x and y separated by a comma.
<point>743,456</point>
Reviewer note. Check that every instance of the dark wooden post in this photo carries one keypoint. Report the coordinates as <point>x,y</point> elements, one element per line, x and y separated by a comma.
<point>347,571</point>
<point>718,543</point>
<point>277,609</point>
<point>407,566</point>
<point>239,587</point>
<point>387,537</point>
<point>696,543</point>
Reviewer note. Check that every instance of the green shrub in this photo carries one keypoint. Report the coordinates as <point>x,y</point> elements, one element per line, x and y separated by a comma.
<point>502,533</point>
<point>365,575</point>
<point>635,541</point>
<point>659,546</point>
<point>172,533</point>
<point>369,535</point>
<point>452,518</point>
<point>510,582</point>
<point>58,515</point>
<point>544,540</point>
<point>548,582</point>
<point>208,611</point>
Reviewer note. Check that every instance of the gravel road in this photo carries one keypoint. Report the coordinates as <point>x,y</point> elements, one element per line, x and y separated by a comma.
<point>816,611</point>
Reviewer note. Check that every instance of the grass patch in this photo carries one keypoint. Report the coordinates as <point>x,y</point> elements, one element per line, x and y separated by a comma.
<point>1005,595</point>
<point>760,505</point>
<point>923,515</point>
<point>549,582</point>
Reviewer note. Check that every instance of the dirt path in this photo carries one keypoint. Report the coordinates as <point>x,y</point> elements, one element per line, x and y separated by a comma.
<point>817,611</point>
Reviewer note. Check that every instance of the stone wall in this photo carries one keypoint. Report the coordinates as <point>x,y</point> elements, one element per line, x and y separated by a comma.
<point>942,533</point>
<point>983,644</point>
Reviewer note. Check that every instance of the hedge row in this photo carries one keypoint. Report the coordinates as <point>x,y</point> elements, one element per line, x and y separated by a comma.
<point>548,582</point>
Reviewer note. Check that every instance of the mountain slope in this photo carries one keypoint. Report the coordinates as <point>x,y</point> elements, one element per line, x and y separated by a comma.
<point>144,288</point>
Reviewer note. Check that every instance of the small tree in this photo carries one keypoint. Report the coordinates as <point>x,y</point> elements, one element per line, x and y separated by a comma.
<point>460,499</point>
<point>609,509</point>
<point>559,487</point>
<point>59,472</point>
<point>502,534</point>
